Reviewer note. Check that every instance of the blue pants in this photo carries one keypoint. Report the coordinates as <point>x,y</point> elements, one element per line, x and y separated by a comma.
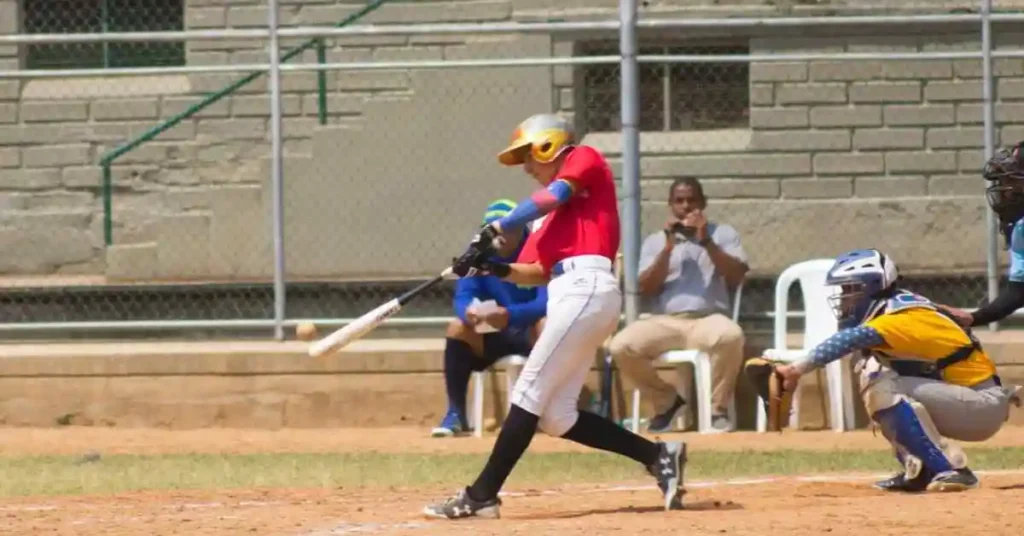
<point>460,362</point>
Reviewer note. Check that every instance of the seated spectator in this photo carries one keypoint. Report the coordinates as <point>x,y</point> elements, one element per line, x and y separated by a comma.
<point>686,269</point>
<point>517,319</point>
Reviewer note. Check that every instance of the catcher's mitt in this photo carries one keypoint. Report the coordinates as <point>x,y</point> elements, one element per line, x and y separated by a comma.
<point>768,385</point>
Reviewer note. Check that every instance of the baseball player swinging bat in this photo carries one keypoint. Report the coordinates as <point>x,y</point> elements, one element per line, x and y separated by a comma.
<point>369,321</point>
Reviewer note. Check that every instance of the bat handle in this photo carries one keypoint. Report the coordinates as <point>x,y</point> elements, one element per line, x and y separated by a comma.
<point>409,295</point>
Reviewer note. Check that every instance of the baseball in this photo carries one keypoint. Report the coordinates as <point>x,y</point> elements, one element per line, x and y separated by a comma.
<point>305,332</point>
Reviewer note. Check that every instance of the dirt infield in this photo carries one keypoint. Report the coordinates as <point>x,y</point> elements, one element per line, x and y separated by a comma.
<point>783,505</point>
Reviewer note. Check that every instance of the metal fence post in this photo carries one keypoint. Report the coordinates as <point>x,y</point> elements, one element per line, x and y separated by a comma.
<point>992,261</point>
<point>630,99</point>
<point>321,82</point>
<point>276,172</point>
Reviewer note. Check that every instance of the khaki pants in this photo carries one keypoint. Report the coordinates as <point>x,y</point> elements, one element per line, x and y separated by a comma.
<point>636,347</point>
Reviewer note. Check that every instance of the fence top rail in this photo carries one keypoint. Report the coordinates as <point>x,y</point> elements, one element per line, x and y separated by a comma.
<point>499,28</point>
<point>790,22</point>
<point>312,32</point>
<point>504,62</point>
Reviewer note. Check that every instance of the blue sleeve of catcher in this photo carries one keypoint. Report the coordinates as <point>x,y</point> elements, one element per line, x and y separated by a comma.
<point>844,342</point>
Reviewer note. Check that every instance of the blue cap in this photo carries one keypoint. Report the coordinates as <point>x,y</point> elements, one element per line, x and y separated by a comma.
<point>498,209</point>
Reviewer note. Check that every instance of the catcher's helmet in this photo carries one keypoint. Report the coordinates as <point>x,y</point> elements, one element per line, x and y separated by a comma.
<point>1005,193</point>
<point>862,280</point>
<point>544,136</point>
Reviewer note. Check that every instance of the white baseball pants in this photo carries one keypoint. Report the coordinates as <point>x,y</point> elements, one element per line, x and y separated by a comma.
<point>584,304</point>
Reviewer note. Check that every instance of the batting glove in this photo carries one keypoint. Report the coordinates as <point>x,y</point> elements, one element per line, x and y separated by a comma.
<point>473,264</point>
<point>487,239</point>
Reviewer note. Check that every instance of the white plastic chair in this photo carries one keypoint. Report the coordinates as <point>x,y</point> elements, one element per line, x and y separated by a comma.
<point>513,364</point>
<point>819,324</point>
<point>701,362</point>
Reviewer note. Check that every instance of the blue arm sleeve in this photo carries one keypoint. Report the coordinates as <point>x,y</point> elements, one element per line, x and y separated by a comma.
<point>522,315</point>
<point>466,289</point>
<point>840,344</point>
<point>538,204</point>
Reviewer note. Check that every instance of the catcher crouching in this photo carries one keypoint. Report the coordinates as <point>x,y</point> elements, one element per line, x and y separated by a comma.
<point>924,379</point>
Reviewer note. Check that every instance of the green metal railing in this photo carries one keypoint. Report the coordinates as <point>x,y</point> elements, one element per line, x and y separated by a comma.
<point>321,56</point>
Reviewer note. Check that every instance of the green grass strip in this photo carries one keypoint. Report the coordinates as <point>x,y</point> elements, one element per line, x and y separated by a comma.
<point>65,475</point>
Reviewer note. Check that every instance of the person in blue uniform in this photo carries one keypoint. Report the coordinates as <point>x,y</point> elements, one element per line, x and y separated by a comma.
<point>517,318</point>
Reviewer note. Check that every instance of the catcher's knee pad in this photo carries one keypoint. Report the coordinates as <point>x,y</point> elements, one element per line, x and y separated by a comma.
<point>909,428</point>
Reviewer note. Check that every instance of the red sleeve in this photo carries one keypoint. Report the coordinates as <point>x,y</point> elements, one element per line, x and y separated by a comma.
<point>582,167</point>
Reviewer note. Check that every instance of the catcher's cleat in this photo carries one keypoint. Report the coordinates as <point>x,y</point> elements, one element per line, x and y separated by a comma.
<point>900,483</point>
<point>462,505</point>
<point>669,469</point>
<point>957,480</point>
<point>769,387</point>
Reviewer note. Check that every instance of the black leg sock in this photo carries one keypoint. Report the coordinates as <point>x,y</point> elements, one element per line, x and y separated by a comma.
<point>600,433</point>
<point>458,366</point>
<point>514,438</point>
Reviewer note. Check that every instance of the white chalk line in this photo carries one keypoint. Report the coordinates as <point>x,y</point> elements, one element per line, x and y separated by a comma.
<point>353,528</point>
<point>834,478</point>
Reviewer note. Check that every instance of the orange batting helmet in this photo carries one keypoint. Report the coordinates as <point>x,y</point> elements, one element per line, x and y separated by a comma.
<point>544,136</point>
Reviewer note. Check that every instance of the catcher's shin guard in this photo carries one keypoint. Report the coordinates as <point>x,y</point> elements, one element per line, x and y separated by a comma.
<point>768,385</point>
<point>909,428</point>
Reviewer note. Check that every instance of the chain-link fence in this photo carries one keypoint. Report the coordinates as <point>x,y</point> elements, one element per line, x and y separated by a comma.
<point>102,16</point>
<point>389,154</point>
<point>400,178</point>
<point>807,159</point>
<point>172,233</point>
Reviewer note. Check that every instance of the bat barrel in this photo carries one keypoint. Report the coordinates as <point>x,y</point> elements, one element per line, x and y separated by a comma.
<point>369,321</point>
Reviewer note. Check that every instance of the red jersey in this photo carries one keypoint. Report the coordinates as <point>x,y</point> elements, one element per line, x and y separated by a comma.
<point>588,224</point>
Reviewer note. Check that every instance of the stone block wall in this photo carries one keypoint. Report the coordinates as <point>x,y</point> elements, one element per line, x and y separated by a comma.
<point>836,155</point>
<point>847,154</point>
<point>854,153</point>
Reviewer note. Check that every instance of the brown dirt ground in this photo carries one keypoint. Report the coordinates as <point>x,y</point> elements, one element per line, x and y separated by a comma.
<point>782,506</point>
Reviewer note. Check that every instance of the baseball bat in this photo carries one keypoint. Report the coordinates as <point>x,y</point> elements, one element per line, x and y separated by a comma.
<point>369,321</point>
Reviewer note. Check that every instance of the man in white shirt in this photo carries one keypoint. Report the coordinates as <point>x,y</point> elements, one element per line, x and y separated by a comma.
<point>687,269</point>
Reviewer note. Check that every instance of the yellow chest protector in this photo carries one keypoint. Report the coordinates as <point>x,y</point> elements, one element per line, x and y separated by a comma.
<point>921,340</point>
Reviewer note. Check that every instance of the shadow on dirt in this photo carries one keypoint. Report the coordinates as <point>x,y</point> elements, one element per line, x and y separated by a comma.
<point>698,506</point>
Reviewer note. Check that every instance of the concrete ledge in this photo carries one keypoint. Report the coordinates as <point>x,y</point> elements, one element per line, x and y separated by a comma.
<point>372,383</point>
<point>216,358</point>
<point>251,358</point>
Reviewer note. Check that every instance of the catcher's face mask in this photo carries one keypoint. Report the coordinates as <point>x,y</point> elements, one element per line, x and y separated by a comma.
<point>844,300</point>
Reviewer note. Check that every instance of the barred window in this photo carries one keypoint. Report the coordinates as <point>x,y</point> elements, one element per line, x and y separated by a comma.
<point>673,97</point>
<point>99,16</point>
